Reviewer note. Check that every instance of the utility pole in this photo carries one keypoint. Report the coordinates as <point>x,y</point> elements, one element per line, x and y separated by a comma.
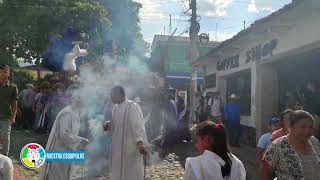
<point>194,56</point>
<point>170,26</point>
<point>216,31</point>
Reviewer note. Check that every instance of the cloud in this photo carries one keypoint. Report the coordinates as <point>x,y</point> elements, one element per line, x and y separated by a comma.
<point>213,7</point>
<point>148,10</point>
<point>252,7</point>
<point>268,9</point>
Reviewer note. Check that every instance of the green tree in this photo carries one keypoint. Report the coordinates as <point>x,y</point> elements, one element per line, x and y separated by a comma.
<point>124,15</point>
<point>25,26</point>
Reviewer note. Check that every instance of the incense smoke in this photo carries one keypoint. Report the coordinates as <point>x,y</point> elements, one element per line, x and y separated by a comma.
<point>96,81</point>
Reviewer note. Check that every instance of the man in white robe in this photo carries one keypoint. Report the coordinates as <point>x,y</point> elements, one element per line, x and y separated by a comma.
<point>128,138</point>
<point>64,136</point>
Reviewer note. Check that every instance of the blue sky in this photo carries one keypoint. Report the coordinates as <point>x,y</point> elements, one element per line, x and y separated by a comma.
<point>228,15</point>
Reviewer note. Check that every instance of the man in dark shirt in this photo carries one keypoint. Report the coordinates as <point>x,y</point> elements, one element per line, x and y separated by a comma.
<point>8,108</point>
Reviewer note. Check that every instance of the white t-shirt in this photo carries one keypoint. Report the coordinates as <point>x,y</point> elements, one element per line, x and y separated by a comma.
<point>215,107</point>
<point>6,168</point>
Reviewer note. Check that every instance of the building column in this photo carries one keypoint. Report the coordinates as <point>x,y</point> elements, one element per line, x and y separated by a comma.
<point>204,85</point>
<point>269,94</point>
<point>221,86</point>
<point>264,95</point>
<point>256,98</point>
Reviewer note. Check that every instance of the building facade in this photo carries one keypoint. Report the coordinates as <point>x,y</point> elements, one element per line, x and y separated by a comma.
<point>170,56</point>
<point>262,64</point>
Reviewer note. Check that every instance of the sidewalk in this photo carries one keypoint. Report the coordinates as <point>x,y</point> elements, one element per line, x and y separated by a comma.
<point>247,155</point>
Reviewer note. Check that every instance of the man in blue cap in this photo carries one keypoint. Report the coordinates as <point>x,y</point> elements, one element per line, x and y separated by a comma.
<point>265,139</point>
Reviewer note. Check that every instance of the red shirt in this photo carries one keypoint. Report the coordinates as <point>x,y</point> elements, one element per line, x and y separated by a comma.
<point>277,134</point>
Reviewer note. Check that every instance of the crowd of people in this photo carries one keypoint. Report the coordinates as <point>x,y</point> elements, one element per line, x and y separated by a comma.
<point>129,146</point>
<point>39,105</point>
<point>168,122</point>
<point>307,99</point>
<point>289,150</point>
<point>34,108</point>
<point>212,108</point>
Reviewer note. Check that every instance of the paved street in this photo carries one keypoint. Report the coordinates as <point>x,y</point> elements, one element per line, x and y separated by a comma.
<point>170,168</point>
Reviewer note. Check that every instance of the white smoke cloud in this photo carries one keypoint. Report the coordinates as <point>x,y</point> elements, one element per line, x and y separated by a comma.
<point>96,81</point>
<point>220,36</point>
<point>213,7</point>
<point>268,9</point>
<point>252,7</point>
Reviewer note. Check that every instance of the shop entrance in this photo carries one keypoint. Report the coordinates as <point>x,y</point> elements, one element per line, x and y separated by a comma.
<point>240,85</point>
<point>294,74</point>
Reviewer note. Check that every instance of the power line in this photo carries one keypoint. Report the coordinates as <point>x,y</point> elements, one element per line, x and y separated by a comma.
<point>168,2</point>
<point>234,1</point>
<point>160,12</point>
<point>164,19</point>
<point>265,4</point>
<point>181,13</point>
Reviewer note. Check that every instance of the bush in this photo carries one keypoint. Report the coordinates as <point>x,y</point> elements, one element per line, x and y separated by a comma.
<point>48,77</point>
<point>21,77</point>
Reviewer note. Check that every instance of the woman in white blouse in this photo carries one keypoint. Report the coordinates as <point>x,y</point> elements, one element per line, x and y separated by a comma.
<point>216,161</point>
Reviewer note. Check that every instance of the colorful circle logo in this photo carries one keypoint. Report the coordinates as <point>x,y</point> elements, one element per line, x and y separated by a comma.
<point>32,156</point>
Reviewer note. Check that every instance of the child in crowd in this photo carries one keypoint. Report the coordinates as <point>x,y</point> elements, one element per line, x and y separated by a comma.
<point>216,162</point>
<point>41,99</point>
<point>58,102</point>
<point>285,125</point>
<point>265,139</point>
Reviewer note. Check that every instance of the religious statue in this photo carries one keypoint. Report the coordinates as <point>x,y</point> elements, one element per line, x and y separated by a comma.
<point>69,63</point>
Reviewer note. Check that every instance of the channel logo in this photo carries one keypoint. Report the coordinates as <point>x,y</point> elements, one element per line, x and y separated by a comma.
<point>33,156</point>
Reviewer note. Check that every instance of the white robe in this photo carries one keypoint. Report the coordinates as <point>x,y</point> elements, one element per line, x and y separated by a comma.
<point>211,164</point>
<point>128,129</point>
<point>63,136</point>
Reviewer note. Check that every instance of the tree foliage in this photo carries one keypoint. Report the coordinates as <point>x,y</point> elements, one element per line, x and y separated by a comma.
<point>21,77</point>
<point>124,15</point>
<point>26,26</point>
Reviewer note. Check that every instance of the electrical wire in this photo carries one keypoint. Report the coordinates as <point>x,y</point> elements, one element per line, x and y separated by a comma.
<point>164,19</point>
<point>157,3</point>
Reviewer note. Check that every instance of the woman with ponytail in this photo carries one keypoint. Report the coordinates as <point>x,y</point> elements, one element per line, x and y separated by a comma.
<point>216,161</point>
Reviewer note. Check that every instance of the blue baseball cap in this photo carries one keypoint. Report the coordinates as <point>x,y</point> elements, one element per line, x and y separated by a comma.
<point>274,120</point>
<point>4,67</point>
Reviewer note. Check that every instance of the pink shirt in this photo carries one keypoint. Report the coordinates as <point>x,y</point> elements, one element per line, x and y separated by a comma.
<point>277,134</point>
